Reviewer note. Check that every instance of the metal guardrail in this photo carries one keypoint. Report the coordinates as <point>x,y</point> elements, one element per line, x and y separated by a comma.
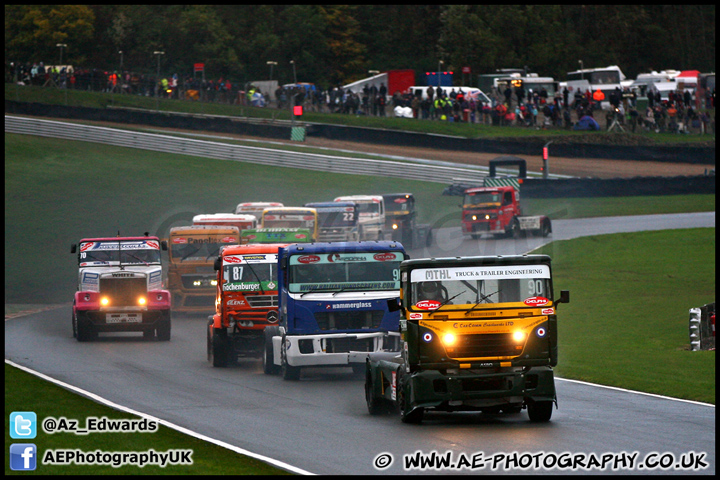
<point>265,156</point>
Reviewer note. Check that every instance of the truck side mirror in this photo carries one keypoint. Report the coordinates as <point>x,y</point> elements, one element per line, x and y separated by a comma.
<point>218,263</point>
<point>393,304</point>
<point>73,248</point>
<point>163,245</point>
<point>564,296</point>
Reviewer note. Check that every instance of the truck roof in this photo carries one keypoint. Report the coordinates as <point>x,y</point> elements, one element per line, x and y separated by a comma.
<point>489,189</point>
<point>226,229</point>
<point>357,198</point>
<point>321,205</point>
<point>288,210</point>
<point>499,260</point>
<point>253,248</point>
<point>117,239</point>
<point>327,247</point>
<point>224,217</point>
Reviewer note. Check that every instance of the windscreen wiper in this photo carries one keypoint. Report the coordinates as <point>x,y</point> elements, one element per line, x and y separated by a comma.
<point>484,298</point>
<point>446,302</point>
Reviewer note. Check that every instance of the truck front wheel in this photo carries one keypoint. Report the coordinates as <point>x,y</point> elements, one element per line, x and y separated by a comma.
<point>288,371</point>
<point>376,406</point>
<point>269,366</point>
<point>219,350</point>
<point>540,411</point>
<point>407,413</point>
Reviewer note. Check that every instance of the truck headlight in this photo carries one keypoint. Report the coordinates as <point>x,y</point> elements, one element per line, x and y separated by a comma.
<point>449,339</point>
<point>142,301</point>
<point>519,336</point>
<point>395,226</point>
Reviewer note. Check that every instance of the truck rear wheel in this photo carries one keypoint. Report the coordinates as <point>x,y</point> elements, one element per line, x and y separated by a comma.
<point>540,411</point>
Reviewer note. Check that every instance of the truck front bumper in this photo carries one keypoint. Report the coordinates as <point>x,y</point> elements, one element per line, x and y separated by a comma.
<point>335,349</point>
<point>469,391</point>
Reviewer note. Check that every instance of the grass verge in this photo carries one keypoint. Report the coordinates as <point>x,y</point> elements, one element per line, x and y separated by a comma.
<point>27,393</point>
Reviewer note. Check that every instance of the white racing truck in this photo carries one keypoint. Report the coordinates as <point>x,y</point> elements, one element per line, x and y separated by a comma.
<point>120,288</point>
<point>371,210</point>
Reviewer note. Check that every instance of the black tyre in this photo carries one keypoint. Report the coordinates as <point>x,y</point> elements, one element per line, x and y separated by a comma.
<point>74,324</point>
<point>208,336</point>
<point>288,371</point>
<point>269,366</point>
<point>163,328</point>
<point>407,414</point>
<point>220,353</point>
<point>540,411</point>
<point>545,229</point>
<point>514,231</point>
<point>376,406</point>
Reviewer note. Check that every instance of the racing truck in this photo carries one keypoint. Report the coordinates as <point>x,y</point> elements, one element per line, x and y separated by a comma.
<point>247,302</point>
<point>191,276</point>
<point>496,210</point>
<point>400,221</point>
<point>478,334</point>
<point>276,235</point>
<point>291,217</point>
<point>333,303</point>
<point>337,221</point>
<point>120,288</point>
<point>371,210</point>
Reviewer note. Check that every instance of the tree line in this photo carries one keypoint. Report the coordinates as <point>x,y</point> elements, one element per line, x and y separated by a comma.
<point>331,45</point>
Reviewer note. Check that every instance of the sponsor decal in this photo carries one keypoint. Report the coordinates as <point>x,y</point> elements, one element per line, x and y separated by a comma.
<point>541,332</point>
<point>235,303</point>
<point>400,200</point>
<point>179,240</point>
<point>536,301</point>
<point>272,316</point>
<point>427,337</point>
<point>270,217</point>
<point>384,257</point>
<point>336,306</point>
<point>228,240</point>
<point>271,285</point>
<point>300,235</point>
<point>415,316</point>
<point>548,311</point>
<point>86,246</point>
<point>248,258</point>
<point>232,260</point>
<point>427,304</point>
<point>309,259</point>
<point>308,217</point>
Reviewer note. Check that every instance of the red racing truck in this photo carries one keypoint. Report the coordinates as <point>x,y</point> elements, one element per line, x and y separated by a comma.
<point>246,301</point>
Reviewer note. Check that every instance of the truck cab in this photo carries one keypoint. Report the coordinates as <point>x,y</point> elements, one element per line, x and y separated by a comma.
<point>255,208</point>
<point>371,210</point>
<point>291,217</point>
<point>120,288</point>
<point>490,210</point>
<point>337,221</point>
<point>191,276</point>
<point>401,221</point>
<point>333,303</point>
<point>246,301</point>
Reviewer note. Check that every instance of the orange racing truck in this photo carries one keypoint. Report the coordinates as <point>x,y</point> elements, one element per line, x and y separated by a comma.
<point>246,302</point>
<point>239,220</point>
<point>191,276</point>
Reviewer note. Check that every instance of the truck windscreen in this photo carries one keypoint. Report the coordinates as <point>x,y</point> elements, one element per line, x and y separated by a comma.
<point>337,272</point>
<point>526,285</point>
<point>482,198</point>
<point>114,253</point>
<point>188,249</point>
<point>249,272</point>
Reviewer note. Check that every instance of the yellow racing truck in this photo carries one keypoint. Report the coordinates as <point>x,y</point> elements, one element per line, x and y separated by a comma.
<point>191,272</point>
<point>478,333</point>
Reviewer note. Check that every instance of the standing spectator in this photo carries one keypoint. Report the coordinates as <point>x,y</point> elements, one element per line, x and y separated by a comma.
<point>508,95</point>
<point>566,94</point>
<point>520,94</point>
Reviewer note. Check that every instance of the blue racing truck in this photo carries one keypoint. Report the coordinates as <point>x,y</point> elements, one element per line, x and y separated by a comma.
<point>333,304</point>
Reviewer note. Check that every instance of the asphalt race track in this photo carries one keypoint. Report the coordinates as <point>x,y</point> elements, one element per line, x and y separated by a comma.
<point>320,424</point>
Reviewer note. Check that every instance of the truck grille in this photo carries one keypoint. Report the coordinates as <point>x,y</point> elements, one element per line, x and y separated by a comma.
<point>188,281</point>
<point>344,345</point>
<point>262,301</point>
<point>350,320</point>
<point>123,291</point>
<point>487,345</point>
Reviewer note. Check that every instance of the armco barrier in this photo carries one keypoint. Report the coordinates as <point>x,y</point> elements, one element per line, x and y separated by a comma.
<point>264,156</point>
<point>281,130</point>
<point>617,187</point>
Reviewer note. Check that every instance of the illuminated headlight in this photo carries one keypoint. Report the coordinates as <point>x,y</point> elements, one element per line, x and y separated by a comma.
<point>474,217</point>
<point>395,227</point>
<point>104,301</point>
<point>487,217</point>
<point>197,283</point>
<point>519,336</point>
<point>449,339</point>
<point>213,282</point>
<point>142,300</point>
